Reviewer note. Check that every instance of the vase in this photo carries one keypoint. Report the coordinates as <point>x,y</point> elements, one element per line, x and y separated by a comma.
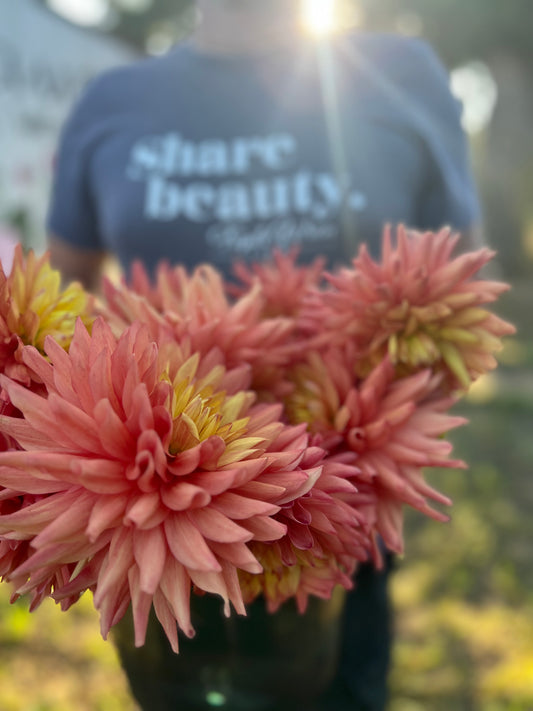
<point>261,662</point>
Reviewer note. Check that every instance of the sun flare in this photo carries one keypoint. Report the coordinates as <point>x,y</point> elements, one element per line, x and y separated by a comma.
<point>319,16</point>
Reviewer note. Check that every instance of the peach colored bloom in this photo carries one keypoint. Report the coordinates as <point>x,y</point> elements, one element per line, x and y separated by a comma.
<point>152,471</point>
<point>33,306</point>
<point>197,306</point>
<point>395,427</point>
<point>283,282</point>
<point>419,305</point>
<point>325,538</point>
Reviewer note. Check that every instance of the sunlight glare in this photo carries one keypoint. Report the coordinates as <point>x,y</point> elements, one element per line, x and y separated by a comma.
<point>474,85</point>
<point>81,12</point>
<point>319,16</point>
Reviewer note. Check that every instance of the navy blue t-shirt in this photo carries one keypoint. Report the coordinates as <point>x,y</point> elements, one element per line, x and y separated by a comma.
<point>194,157</point>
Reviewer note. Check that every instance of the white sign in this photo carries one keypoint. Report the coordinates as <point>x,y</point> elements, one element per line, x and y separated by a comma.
<point>44,64</point>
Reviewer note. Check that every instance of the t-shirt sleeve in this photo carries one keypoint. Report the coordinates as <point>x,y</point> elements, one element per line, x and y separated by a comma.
<point>449,195</point>
<point>72,215</point>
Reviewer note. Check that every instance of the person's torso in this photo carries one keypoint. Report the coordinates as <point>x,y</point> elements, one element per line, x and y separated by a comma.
<point>220,160</point>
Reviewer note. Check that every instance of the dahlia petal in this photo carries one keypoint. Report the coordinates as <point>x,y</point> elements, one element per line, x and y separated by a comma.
<point>81,580</point>
<point>262,490</point>
<point>312,457</point>
<point>25,433</point>
<point>107,512</point>
<point>433,424</point>
<point>141,603</point>
<point>41,465</point>
<point>337,485</point>
<point>322,523</point>
<point>149,444</point>
<point>239,449</point>
<point>182,496</point>
<point>405,453</point>
<point>68,525</point>
<point>285,459</point>
<point>292,438</point>
<point>460,269</point>
<point>188,545</point>
<point>103,476</point>
<point>39,365</point>
<point>185,462</point>
<point>166,617</point>
<point>265,528</point>
<point>114,570</point>
<point>415,477</point>
<point>214,482</point>
<point>213,583</point>
<point>77,427</point>
<point>390,524</point>
<point>176,587</point>
<point>265,415</point>
<point>56,554</point>
<point>312,476</point>
<point>116,440</point>
<point>238,378</point>
<point>150,552</point>
<point>299,513</point>
<point>215,526</point>
<point>36,516</point>
<point>238,474</point>
<point>238,507</point>
<point>211,452</point>
<point>101,339</point>
<point>136,401</point>
<point>300,536</point>
<point>238,554</point>
<point>145,510</point>
<point>114,606</point>
<point>234,589</point>
<point>99,378</point>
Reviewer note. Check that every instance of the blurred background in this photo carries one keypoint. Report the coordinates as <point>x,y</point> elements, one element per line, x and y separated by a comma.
<point>464,592</point>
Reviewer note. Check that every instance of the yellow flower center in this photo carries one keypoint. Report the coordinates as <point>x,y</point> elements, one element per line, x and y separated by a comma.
<point>39,306</point>
<point>201,410</point>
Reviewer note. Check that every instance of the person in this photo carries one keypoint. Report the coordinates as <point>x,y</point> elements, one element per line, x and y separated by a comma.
<point>250,136</point>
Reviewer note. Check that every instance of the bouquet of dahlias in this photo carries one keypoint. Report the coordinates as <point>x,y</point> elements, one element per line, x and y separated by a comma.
<point>182,435</point>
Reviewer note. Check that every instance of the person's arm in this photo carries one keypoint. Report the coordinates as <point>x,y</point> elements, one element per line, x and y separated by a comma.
<point>74,240</point>
<point>75,263</point>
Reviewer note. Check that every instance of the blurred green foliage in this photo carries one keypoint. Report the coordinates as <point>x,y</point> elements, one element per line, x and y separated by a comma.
<point>463,594</point>
<point>52,661</point>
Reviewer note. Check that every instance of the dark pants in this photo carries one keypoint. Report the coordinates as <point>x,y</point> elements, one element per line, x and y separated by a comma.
<point>361,680</point>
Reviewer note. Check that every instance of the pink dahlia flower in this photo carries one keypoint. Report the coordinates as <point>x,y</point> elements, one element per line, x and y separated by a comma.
<point>152,470</point>
<point>418,305</point>
<point>197,307</point>
<point>33,306</point>
<point>394,426</point>
<point>284,284</point>
<point>326,536</point>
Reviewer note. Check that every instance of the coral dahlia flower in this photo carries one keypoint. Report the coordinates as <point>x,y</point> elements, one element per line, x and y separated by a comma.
<point>283,282</point>
<point>33,306</point>
<point>418,305</point>
<point>197,306</point>
<point>394,426</point>
<point>152,471</point>
<point>326,536</point>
